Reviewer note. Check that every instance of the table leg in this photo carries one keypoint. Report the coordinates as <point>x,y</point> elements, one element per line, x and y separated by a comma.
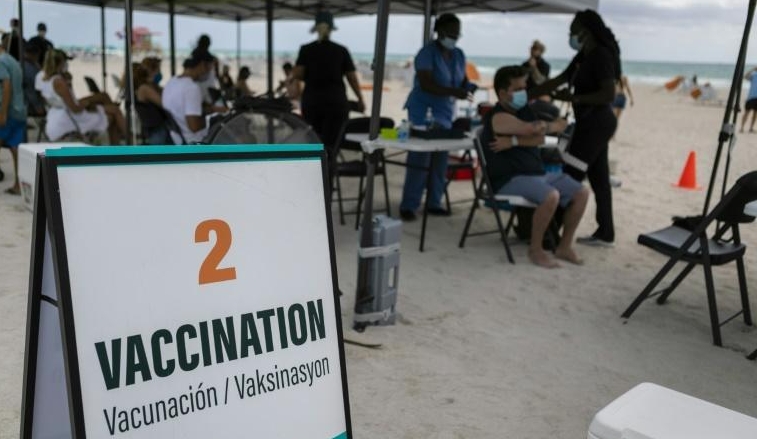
<point>429,178</point>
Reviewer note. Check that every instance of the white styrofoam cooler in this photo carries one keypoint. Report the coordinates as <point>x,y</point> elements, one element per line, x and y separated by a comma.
<point>649,411</point>
<point>27,167</point>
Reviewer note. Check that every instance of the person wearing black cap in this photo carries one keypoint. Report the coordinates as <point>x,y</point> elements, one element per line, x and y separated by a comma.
<point>41,41</point>
<point>592,75</point>
<point>322,65</point>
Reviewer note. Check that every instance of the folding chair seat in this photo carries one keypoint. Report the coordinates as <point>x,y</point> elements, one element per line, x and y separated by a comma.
<point>356,168</point>
<point>687,241</point>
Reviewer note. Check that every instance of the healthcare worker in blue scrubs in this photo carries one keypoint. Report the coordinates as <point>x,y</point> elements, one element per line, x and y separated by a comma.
<point>439,81</point>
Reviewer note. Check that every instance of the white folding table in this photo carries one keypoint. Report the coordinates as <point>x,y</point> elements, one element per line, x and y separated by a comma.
<point>414,144</point>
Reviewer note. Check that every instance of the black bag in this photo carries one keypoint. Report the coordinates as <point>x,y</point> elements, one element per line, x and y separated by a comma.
<point>522,227</point>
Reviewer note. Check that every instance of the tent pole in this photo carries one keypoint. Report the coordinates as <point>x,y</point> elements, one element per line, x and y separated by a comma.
<point>727,129</point>
<point>103,57</point>
<point>427,21</point>
<point>129,95</point>
<point>20,35</point>
<point>269,43</point>
<point>239,42</point>
<point>363,297</point>
<point>172,35</point>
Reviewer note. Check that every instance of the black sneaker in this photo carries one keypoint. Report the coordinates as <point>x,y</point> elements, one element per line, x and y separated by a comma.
<point>408,215</point>
<point>2,175</point>
<point>439,211</point>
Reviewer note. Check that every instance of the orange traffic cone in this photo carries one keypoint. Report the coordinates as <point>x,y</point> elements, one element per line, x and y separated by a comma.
<point>688,178</point>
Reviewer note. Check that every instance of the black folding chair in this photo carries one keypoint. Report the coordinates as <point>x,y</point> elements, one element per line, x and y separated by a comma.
<point>497,203</point>
<point>91,85</point>
<point>172,126</point>
<point>356,168</point>
<point>687,241</point>
<point>460,167</point>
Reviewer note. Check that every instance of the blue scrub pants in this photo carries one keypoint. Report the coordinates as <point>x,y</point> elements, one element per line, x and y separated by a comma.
<point>416,176</point>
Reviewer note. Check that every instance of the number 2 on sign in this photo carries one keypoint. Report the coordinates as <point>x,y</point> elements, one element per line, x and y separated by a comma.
<point>209,271</point>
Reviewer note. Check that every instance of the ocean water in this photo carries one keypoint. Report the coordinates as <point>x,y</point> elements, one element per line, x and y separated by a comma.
<point>719,75</point>
<point>648,72</point>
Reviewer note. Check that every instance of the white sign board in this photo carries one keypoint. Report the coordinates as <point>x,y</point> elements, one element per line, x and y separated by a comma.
<point>197,292</point>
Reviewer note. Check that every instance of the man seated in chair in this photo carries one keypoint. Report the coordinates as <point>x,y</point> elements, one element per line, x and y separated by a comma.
<point>183,98</point>
<point>510,139</point>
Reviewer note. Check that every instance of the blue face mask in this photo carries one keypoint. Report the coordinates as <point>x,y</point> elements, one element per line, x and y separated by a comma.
<point>448,43</point>
<point>574,43</point>
<point>157,78</point>
<point>520,99</point>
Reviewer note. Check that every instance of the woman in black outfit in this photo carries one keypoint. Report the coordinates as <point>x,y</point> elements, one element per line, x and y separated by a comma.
<point>592,75</point>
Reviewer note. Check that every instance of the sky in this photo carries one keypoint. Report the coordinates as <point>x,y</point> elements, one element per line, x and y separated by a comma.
<point>648,30</point>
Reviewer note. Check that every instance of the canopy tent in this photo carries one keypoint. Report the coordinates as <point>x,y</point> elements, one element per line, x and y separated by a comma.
<point>304,9</point>
<point>271,10</point>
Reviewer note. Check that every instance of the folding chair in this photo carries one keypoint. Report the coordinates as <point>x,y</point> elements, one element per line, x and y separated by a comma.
<point>356,168</point>
<point>687,241</point>
<point>91,84</point>
<point>465,164</point>
<point>495,202</point>
<point>460,166</point>
<point>172,126</point>
<point>40,122</point>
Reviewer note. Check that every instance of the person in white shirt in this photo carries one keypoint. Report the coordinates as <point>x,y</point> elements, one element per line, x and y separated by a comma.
<point>182,98</point>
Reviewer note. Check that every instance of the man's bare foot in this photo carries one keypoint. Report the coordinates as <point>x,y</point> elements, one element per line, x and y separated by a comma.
<point>569,255</point>
<point>542,259</point>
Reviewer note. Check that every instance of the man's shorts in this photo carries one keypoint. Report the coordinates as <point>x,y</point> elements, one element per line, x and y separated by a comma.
<point>751,104</point>
<point>12,134</point>
<point>536,188</point>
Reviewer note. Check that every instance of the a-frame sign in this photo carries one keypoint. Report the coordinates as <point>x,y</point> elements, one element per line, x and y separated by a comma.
<point>183,292</point>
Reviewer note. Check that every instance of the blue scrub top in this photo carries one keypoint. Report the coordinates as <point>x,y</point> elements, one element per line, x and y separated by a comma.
<point>447,73</point>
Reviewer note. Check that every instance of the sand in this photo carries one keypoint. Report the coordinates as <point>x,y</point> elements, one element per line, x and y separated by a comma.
<point>486,349</point>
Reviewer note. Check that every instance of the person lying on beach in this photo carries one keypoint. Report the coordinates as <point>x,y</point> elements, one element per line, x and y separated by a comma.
<point>511,137</point>
<point>67,114</point>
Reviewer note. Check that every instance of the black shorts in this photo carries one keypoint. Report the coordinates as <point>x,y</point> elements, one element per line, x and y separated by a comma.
<point>751,104</point>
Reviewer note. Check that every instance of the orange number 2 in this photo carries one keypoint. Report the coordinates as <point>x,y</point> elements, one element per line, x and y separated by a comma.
<point>209,271</point>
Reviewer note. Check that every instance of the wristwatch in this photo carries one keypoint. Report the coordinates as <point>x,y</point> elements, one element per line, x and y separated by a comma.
<point>514,140</point>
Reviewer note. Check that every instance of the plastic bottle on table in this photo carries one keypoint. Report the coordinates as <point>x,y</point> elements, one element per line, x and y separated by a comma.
<point>429,119</point>
<point>403,132</point>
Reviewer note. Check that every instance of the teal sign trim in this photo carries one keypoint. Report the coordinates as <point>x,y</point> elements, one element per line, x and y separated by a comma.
<point>84,151</point>
<point>341,436</point>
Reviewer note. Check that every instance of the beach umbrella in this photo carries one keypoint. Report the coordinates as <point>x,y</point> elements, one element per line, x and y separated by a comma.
<point>728,128</point>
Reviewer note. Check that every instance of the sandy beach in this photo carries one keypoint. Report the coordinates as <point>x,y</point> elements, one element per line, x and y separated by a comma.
<point>486,349</point>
